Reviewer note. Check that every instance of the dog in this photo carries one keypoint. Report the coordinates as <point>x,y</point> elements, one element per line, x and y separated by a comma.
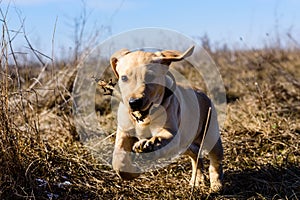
<point>152,109</point>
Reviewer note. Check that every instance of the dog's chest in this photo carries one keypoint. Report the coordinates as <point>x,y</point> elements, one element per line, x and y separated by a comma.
<point>158,121</point>
<point>143,131</point>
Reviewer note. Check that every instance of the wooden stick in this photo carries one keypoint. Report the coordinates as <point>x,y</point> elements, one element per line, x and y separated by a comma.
<point>200,148</point>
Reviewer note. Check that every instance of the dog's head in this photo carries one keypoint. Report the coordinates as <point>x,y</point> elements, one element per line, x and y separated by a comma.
<point>142,77</point>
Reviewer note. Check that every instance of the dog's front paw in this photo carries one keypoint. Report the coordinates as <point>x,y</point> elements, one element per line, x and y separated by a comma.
<point>139,146</point>
<point>146,145</point>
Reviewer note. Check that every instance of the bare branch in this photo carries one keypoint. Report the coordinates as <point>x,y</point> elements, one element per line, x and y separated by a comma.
<point>35,52</point>
<point>108,88</point>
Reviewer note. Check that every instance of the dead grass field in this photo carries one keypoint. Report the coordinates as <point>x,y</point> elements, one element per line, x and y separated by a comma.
<point>42,157</point>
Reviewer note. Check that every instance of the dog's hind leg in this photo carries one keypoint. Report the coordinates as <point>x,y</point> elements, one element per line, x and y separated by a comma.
<point>215,167</point>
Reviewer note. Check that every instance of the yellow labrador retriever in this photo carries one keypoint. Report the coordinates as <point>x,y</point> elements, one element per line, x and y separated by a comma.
<point>152,110</point>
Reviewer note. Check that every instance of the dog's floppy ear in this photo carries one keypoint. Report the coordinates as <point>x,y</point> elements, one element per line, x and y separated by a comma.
<point>168,56</point>
<point>114,59</point>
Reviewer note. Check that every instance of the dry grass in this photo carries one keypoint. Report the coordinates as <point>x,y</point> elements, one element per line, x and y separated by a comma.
<point>42,158</point>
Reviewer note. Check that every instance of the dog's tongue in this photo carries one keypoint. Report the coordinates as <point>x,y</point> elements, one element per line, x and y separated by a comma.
<point>137,115</point>
<point>140,115</point>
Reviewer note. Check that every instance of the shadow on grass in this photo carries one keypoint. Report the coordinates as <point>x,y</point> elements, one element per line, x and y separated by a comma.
<point>266,182</point>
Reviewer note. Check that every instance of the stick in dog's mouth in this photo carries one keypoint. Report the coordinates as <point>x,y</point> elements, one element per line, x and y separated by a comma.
<point>140,115</point>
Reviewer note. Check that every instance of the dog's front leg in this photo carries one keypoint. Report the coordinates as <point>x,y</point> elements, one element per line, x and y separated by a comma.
<point>122,156</point>
<point>156,142</point>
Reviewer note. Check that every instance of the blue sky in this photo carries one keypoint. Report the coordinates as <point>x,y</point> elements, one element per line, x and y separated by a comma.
<point>257,22</point>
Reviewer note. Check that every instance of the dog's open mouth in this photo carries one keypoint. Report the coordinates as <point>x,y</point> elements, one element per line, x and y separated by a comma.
<point>140,115</point>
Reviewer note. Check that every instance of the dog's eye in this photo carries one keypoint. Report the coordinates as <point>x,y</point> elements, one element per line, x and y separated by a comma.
<point>124,78</point>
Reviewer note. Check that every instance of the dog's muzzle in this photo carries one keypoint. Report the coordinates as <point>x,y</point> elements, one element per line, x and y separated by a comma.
<point>138,109</point>
<point>136,103</point>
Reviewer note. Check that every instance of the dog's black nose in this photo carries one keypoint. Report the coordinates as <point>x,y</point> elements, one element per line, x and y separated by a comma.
<point>135,103</point>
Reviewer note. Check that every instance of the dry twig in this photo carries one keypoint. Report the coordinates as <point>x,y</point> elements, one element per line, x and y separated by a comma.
<point>108,88</point>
